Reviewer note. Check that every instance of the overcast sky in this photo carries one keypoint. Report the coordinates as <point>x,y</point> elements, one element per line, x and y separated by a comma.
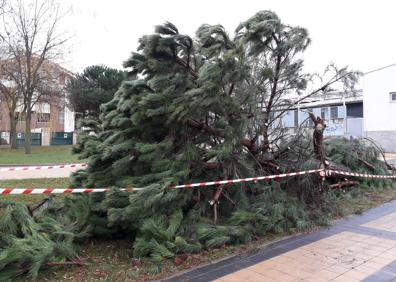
<point>360,34</point>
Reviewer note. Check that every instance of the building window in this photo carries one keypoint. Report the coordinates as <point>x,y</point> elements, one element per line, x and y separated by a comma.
<point>21,116</point>
<point>43,117</point>
<point>392,97</point>
<point>295,118</point>
<point>355,110</point>
<point>333,112</point>
<point>61,117</point>
<point>287,120</point>
<point>324,113</point>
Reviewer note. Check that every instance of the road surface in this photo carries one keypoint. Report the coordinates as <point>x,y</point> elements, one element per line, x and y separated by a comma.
<point>45,173</point>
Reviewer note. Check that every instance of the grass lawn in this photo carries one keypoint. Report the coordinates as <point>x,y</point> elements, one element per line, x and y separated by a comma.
<point>39,155</point>
<point>112,260</point>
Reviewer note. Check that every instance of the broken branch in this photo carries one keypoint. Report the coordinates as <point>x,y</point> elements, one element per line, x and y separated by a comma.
<point>367,164</point>
<point>345,183</point>
<point>61,263</point>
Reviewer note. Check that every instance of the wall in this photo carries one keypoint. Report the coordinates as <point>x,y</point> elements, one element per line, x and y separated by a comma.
<point>379,112</point>
<point>59,77</point>
<point>4,119</point>
<point>69,121</point>
<point>347,122</point>
<point>53,125</point>
<point>387,139</point>
<point>56,126</point>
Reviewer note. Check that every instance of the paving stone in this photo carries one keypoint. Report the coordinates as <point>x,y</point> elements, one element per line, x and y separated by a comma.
<point>359,248</point>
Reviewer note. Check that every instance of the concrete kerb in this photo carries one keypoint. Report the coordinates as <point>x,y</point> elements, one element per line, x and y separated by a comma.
<point>25,165</point>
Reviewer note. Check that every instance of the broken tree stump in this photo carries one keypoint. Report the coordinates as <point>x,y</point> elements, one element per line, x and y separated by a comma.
<point>215,201</point>
<point>319,127</point>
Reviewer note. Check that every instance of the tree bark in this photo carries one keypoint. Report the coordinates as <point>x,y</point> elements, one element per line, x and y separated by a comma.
<point>62,263</point>
<point>13,124</point>
<point>36,207</point>
<point>268,111</point>
<point>28,127</point>
<point>215,201</point>
<point>319,127</point>
<point>343,184</point>
<point>367,164</point>
<point>249,144</point>
<point>203,127</point>
<point>208,165</point>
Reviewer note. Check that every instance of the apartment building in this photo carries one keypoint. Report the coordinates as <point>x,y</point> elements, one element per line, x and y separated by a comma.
<point>49,116</point>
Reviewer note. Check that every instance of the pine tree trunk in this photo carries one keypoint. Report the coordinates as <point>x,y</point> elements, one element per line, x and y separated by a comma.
<point>265,128</point>
<point>318,141</point>
<point>319,127</point>
<point>13,124</point>
<point>272,98</point>
<point>28,127</point>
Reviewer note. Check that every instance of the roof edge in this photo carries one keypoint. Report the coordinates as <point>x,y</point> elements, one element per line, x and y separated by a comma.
<point>375,70</point>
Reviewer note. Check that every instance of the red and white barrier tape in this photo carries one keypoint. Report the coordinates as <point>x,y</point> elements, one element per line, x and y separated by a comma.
<point>365,175</point>
<point>19,168</point>
<point>231,181</point>
<point>27,191</point>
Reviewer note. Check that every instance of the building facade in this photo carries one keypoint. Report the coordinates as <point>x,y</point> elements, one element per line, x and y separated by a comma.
<point>342,112</point>
<point>379,106</point>
<point>369,112</point>
<point>49,116</point>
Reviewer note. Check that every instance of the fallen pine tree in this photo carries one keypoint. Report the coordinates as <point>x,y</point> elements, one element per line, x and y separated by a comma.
<point>192,110</point>
<point>50,237</point>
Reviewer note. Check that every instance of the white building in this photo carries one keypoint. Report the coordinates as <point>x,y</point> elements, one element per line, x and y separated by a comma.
<point>369,112</point>
<point>379,104</point>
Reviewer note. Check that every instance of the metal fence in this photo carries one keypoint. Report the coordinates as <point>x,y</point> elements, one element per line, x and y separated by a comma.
<point>62,138</point>
<point>36,139</point>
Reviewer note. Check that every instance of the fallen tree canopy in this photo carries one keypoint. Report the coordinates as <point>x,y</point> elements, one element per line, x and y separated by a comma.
<point>196,109</point>
<point>35,238</point>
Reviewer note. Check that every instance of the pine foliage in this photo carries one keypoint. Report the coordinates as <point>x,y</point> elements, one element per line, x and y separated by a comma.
<point>159,238</point>
<point>28,243</point>
<point>189,112</point>
<point>96,85</point>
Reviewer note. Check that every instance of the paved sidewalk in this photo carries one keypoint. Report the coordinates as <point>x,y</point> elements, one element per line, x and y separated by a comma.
<point>45,173</point>
<point>359,248</point>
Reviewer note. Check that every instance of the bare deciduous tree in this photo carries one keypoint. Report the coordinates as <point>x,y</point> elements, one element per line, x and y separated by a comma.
<point>30,42</point>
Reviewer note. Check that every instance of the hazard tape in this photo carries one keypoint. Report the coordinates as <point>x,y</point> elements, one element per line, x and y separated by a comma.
<point>232,181</point>
<point>365,175</point>
<point>19,168</point>
<point>28,191</point>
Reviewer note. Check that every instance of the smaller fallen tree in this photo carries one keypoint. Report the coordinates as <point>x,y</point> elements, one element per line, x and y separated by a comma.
<point>48,238</point>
